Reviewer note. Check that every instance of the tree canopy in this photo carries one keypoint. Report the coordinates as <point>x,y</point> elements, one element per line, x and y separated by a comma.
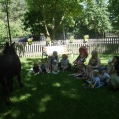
<point>53,17</point>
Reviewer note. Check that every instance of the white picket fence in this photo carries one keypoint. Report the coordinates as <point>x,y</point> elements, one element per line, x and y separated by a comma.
<point>107,45</point>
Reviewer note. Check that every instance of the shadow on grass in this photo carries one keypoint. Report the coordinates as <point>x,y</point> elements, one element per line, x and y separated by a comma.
<point>49,96</point>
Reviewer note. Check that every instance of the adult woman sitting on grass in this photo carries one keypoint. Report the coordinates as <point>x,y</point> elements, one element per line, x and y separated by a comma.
<point>94,61</point>
<point>81,71</point>
<point>114,72</point>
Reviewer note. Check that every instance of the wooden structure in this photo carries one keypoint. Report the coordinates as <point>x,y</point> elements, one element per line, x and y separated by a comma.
<point>61,49</point>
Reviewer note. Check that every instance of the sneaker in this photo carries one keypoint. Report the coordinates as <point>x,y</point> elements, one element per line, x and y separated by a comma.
<point>48,72</point>
<point>58,71</point>
<point>36,74</point>
<point>54,73</point>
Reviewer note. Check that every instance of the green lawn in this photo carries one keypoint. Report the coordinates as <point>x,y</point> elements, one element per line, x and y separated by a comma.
<point>49,96</point>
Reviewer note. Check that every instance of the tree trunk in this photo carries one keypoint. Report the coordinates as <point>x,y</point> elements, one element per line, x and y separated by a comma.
<point>6,4</point>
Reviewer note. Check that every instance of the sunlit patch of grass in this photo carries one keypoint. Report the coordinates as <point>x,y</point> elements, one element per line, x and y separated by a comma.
<point>43,103</point>
<point>46,98</point>
<point>31,116</point>
<point>21,98</point>
<point>70,93</point>
<point>34,88</point>
<point>7,113</point>
<point>56,84</point>
<point>15,114</point>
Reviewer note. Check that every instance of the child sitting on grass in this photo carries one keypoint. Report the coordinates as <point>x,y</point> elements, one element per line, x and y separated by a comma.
<point>104,78</point>
<point>95,81</point>
<point>56,56</point>
<point>81,71</point>
<point>48,64</point>
<point>36,68</point>
<point>55,67</point>
<point>43,66</point>
<point>64,63</point>
<point>88,73</point>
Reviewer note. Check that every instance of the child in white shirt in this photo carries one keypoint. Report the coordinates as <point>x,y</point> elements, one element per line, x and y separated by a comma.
<point>48,64</point>
<point>55,69</point>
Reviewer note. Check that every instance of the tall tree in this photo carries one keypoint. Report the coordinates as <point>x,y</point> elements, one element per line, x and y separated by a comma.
<point>97,17</point>
<point>114,14</point>
<point>17,8</point>
<point>53,12</point>
<point>6,4</point>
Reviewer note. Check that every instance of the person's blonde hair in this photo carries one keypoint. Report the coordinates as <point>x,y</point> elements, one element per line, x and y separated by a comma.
<point>94,54</point>
<point>96,72</point>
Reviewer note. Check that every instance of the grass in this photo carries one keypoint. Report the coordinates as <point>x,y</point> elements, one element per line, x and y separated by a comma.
<point>49,96</point>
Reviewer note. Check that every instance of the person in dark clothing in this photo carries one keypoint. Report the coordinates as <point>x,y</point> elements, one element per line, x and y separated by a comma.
<point>114,72</point>
<point>36,68</point>
<point>43,66</point>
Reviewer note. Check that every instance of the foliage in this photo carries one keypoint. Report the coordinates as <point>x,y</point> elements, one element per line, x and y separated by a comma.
<point>53,13</point>
<point>97,17</point>
<point>16,12</point>
<point>71,39</point>
<point>48,40</point>
<point>2,29</point>
<point>114,14</point>
<point>20,49</point>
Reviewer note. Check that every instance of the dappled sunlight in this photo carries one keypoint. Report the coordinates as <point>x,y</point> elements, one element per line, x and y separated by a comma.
<point>21,98</point>
<point>31,115</point>
<point>72,93</point>
<point>14,114</point>
<point>7,113</point>
<point>43,103</point>
<point>34,89</point>
<point>56,84</point>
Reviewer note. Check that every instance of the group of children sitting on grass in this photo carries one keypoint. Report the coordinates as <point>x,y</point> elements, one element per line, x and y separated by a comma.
<point>92,73</point>
<point>51,65</point>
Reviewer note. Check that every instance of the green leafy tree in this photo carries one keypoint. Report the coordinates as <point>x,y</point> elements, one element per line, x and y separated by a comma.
<point>2,29</point>
<point>16,9</point>
<point>6,4</point>
<point>53,13</point>
<point>97,17</point>
<point>114,14</point>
